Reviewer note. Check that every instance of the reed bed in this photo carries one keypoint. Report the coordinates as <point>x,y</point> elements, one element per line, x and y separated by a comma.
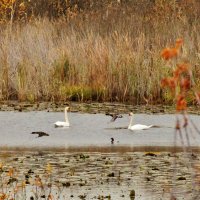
<point>112,54</point>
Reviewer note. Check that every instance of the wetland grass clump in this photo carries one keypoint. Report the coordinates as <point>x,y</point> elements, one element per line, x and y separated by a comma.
<point>105,53</point>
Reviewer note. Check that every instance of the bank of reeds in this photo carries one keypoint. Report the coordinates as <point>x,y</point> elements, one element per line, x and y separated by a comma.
<point>112,55</point>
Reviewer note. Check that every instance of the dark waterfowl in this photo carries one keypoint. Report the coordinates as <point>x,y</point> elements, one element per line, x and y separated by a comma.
<point>114,116</point>
<point>112,140</point>
<point>40,133</point>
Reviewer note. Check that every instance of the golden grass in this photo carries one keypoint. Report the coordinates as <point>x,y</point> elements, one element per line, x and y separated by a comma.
<point>95,56</point>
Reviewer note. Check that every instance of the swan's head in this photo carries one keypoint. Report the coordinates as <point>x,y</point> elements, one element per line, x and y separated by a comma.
<point>67,108</point>
<point>130,114</point>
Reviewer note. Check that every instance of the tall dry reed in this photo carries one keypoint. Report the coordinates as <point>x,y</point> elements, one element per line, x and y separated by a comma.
<point>110,55</point>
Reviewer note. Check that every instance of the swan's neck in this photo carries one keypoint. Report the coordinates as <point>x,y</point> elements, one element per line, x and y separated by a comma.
<point>66,116</point>
<point>130,124</point>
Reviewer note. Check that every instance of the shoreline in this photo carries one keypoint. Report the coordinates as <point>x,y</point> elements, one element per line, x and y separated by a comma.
<point>92,107</point>
<point>103,149</point>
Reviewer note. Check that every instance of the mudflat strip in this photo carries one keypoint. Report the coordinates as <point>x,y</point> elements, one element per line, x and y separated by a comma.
<point>92,107</point>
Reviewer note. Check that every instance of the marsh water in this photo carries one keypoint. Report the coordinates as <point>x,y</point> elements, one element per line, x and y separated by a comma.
<point>87,130</point>
<point>98,174</point>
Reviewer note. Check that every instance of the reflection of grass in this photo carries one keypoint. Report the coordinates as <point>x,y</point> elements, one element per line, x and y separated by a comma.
<point>94,57</point>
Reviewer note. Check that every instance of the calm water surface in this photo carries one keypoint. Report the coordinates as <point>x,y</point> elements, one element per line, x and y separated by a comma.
<point>86,130</point>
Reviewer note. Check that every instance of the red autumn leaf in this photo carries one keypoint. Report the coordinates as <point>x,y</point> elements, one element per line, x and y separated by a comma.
<point>179,43</point>
<point>176,73</point>
<point>169,82</point>
<point>181,68</point>
<point>181,103</point>
<point>185,83</point>
<point>169,53</point>
<point>184,67</point>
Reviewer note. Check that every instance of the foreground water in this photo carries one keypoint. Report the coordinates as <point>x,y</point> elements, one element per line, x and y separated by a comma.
<point>87,130</point>
<point>95,175</point>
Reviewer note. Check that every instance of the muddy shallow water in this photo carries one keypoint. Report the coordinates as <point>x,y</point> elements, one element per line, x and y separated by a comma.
<point>152,176</point>
<point>87,130</point>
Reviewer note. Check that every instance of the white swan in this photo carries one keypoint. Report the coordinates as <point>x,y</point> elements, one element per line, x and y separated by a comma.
<point>63,124</point>
<point>137,126</point>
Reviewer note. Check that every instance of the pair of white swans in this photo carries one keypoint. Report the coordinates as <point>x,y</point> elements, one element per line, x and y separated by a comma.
<point>130,127</point>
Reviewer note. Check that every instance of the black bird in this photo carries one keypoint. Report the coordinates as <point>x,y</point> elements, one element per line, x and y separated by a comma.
<point>112,140</point>
<point>114,116</point>
<point>40,133</point>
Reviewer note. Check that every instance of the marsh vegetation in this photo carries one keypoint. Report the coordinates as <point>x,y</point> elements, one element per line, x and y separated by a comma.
<point>93,51</point>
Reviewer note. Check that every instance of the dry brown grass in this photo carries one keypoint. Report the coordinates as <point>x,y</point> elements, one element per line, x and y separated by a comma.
<point>107,55</point>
